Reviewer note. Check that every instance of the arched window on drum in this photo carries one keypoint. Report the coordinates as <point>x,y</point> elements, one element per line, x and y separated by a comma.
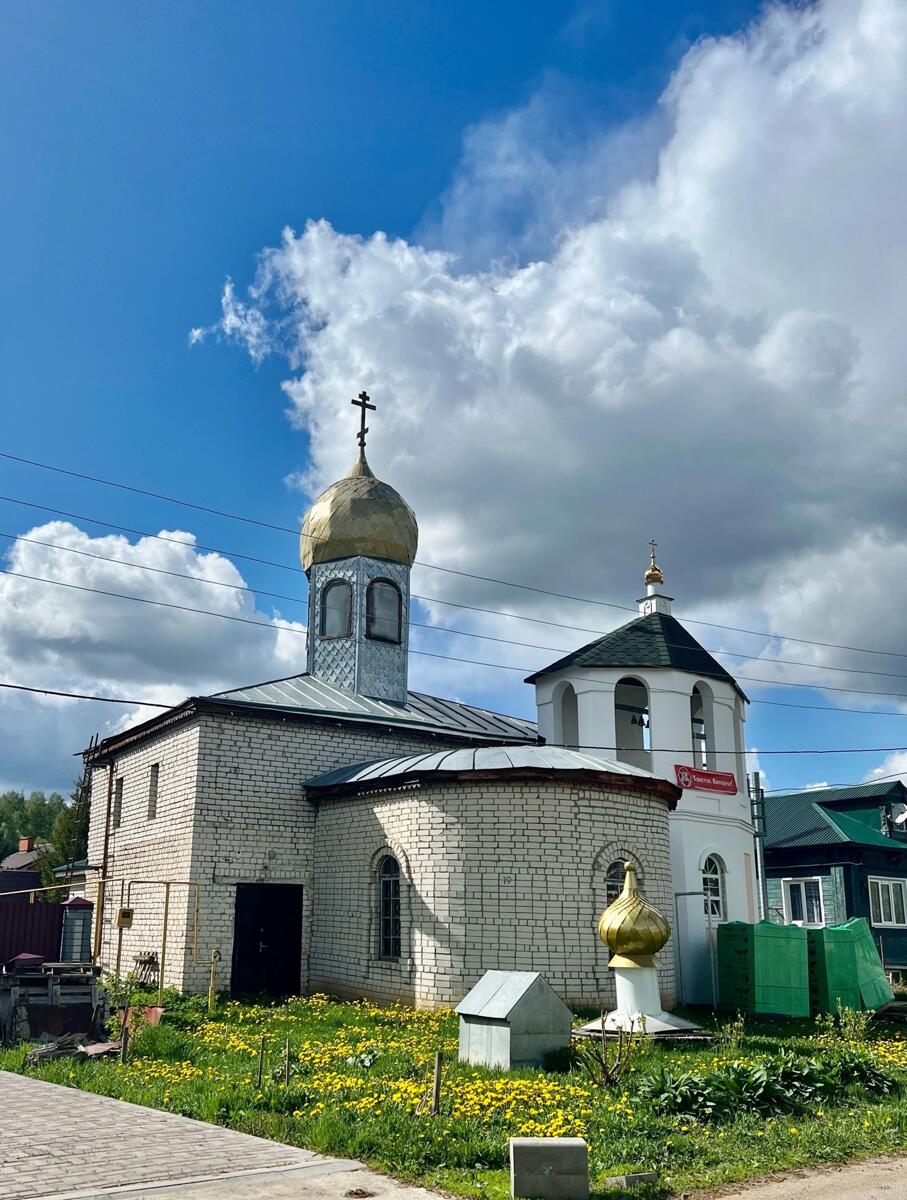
<point>336,616</point>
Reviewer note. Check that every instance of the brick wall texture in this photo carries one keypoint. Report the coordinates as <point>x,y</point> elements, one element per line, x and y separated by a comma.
<point>493,874</point>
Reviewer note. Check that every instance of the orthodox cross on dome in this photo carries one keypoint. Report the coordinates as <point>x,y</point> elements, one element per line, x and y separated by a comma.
<point>362,403</point>
<point>654,573</point>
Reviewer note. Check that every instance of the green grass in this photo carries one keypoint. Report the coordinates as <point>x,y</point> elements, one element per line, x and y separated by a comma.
<point>360,1075</point>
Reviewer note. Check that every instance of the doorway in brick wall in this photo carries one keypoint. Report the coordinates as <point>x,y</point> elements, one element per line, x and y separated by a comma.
<point>267,939</point>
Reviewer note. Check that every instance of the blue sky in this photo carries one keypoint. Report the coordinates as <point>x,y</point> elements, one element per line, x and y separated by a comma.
<point>153,150</point>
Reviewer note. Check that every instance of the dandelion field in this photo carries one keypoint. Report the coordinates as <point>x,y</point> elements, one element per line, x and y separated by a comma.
<point>702,1114</point>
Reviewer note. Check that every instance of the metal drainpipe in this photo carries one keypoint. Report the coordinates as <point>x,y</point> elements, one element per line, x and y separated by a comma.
<point>101,897</point>
<point>160,982</point>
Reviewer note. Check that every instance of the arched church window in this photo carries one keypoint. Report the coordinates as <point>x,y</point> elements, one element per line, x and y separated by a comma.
<point>336,619</point>
<point>702,727</point>
<point>383,611</point>
<point>632,722</point>
<point>713,888</point>
<point>614,880</point>
<point>389,908</point>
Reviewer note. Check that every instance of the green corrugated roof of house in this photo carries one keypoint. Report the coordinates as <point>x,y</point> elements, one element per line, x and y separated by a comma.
<point>812,818</point>
<point>657,640</point>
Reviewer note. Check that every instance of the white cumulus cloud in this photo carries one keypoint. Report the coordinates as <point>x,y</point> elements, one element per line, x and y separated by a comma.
<point>691,329</point>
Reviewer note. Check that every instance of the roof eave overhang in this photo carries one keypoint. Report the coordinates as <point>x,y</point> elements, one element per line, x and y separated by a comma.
<point>563,665</point>
<point>639,785</point>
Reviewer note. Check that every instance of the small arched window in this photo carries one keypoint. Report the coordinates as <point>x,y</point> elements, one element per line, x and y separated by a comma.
<point>614,880</point>
<point>336,619</point>
<point>714,891</point>
<point>383,611</point>
<point>389,908</point>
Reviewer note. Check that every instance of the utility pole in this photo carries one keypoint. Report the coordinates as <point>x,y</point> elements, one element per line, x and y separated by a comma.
<point>757,813</point>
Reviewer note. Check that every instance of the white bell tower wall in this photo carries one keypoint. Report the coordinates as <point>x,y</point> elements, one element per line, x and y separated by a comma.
<point>706,824</point>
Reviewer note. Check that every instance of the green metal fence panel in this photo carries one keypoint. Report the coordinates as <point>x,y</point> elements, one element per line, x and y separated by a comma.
<point>763,969</point>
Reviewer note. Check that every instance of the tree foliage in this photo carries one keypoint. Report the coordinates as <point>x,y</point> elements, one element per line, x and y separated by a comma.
<point>21,816</point>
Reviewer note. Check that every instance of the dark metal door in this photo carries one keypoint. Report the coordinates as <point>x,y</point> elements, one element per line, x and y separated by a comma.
<point>267,939</point>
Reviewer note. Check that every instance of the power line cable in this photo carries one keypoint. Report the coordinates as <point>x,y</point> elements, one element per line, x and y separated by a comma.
<point>287,628</point>
<point>440,629</point>
<point>781,792</point>
<point>21,687</point>
<point>436,567</point>
<point>254,591</point>
<point>614,749</point>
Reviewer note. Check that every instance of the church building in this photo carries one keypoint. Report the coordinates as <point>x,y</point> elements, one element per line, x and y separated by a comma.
<point>336,832</point>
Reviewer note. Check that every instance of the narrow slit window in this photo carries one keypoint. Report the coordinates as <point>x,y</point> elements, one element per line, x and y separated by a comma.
<point>153,777</point>
<point>389,908</point>
<point>117,814</point>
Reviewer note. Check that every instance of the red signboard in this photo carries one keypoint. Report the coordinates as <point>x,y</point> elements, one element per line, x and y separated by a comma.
<point>705,781</point>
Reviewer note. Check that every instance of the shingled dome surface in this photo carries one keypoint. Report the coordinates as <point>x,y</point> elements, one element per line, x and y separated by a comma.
<point>657,640</point>
<point>359,515</point>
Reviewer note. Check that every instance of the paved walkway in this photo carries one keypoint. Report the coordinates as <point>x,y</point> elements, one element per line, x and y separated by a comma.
<point>875,1179</point>
<point>57,1143</point>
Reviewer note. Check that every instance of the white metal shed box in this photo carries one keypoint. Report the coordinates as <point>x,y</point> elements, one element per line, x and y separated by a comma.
<point>512,1019</point>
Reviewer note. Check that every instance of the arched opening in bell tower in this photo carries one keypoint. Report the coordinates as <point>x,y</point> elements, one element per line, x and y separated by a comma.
<point>702,727</point>
<point>566,716</point>
<point>632,722</point>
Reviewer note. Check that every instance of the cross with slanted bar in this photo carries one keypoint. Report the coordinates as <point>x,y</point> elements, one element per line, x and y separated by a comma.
<point>362,403</point>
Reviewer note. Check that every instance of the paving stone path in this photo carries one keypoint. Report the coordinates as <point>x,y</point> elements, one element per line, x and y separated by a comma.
<point>58,1143</point>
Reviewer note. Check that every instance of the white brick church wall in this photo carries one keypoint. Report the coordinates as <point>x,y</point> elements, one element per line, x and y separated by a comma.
<point>494,875</point>
<point>231,809</point>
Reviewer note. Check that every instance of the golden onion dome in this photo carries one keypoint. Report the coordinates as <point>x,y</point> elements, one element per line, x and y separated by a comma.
<point>359,515</point>
<point>654,573</point>
<point>632,929</point>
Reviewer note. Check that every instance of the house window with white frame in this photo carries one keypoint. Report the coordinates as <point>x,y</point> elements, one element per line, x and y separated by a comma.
<point>803,902</point>
<point>888,901</point>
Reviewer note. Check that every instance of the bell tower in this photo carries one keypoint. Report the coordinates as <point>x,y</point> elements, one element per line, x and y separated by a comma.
<point>357,546</point>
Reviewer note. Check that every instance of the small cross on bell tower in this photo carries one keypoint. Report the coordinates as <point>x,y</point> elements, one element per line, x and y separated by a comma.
<point>362,403</point>
<point>654,600</point>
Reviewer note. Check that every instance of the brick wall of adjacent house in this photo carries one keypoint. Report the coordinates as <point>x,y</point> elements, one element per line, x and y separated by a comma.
<point>494,875</point>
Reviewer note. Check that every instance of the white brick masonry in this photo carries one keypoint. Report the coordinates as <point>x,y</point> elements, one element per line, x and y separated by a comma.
<point>231,808</point>
<point>496,875</point>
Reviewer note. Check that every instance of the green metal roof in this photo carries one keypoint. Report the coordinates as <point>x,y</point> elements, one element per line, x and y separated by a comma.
<point>811,818</point>
<point>657,640</point>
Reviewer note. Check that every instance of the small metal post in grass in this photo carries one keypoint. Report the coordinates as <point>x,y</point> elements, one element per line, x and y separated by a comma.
<point>286,1063</point>
<point>436,1086</point>
<point>124,1043</point>
<point>261,1059</point>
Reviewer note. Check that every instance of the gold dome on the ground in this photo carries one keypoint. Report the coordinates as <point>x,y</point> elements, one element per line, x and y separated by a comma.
<point>359,515</point>
<point>632,929</point>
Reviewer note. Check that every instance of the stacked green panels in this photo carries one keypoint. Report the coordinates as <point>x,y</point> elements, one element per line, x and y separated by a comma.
<point>833,969</point>
<point>845,968</point>
<point>763,969</point>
